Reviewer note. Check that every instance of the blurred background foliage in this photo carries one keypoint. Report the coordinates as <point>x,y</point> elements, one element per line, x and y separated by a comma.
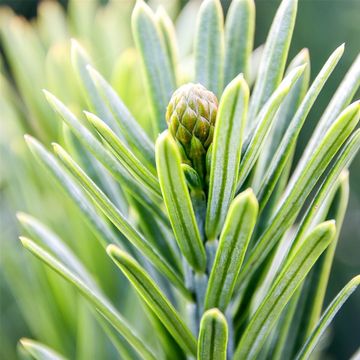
<point>321,26</point>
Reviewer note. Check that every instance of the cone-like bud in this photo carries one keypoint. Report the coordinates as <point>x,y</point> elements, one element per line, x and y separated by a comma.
<point>191,116</point>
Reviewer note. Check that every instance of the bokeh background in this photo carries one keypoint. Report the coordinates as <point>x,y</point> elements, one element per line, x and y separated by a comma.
<point>321,26</point>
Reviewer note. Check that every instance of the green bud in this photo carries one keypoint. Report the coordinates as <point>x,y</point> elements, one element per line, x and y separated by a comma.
<point>192,177</point>
<point>191,116</point>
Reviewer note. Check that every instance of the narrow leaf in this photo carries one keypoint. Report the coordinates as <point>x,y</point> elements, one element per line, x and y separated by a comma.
<point>255,139</point>
<point>153,296</point>
<point>313,292</point>
<point>233,243</point>
<point>213,336</point>
<point>80,60</point>
<point>133,132</point>
<point>293,100</point>
<point>167,29</point>
<point>282,120</point>
<point>288,142</point>
<point>62,252</point>
<point>331,142</point>
<point>209,46</point>
<point>342,97</point>
<point>129,161</point>
<point>160,79</point>
<point>119,220</point>
<point>286,337</point>
<point>98,301</point>
<point>343,161</point>
<point>185,27</point>
<point>104,178</point>
<point>327,317</point>
<point>40,232</point>
<point>178,202</point>
<point>226,152</point>
<point>91,215</point>
<point>39,351</point>
<point>274,57</point>
<point>295,195</point>
<point>255,60</point>
<point>286,283</point>
<point>239,38</point>
<point>323,270</point>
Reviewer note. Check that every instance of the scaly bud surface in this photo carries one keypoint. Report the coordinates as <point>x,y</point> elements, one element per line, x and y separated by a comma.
<point>191,116</point>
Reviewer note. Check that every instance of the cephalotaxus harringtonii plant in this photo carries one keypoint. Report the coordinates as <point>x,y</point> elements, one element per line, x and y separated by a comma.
<point>205,218</point>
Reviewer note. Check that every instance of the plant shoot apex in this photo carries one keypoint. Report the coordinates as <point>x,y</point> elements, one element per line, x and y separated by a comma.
<point>191,116</point>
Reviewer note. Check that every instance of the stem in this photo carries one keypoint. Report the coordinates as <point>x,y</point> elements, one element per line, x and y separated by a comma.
<point>198,200</point>
<point>211,248</point>
<point>201,281</point>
